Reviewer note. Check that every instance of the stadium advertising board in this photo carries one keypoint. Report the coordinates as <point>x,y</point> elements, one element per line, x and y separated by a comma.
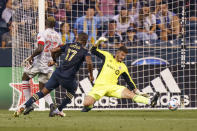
<point>170,81</point>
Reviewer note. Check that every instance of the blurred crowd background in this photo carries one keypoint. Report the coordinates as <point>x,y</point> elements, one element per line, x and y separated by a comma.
<point>124,22</point>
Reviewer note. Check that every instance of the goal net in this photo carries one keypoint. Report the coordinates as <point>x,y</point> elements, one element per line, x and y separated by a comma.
<point>25,21</point>
<point>159,34</point>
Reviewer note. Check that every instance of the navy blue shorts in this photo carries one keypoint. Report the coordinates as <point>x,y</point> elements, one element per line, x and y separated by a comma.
<point>69,84</point>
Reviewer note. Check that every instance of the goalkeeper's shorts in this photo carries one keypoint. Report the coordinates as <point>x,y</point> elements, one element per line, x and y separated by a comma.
<point>99,91</point>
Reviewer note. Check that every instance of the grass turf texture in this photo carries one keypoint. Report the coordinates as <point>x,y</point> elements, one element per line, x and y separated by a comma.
<point>143,120</point>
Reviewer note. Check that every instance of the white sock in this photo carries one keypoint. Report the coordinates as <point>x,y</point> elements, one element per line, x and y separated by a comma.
<point>26,89</point>
<point>149,102</point>
<point>48,99</point>
<point>23,105</point>
<point>57,110</point>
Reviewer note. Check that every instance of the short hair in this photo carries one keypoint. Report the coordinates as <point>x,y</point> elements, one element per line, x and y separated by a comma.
<point>144,4</point>
<point>131,29</point>
<point>82,37</point>
<point>112,21</point>
<point>163,3</point>
<point>62,24</point>
<point>123,8</point>
<point>124,49</point>
<point>50,22</point>
<point>89,7</point>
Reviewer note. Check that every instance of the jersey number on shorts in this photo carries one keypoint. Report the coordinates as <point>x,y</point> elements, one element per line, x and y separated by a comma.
<point>70,54</point>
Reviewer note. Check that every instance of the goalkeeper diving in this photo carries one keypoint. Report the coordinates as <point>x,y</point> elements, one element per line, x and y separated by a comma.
<point>106,83</point>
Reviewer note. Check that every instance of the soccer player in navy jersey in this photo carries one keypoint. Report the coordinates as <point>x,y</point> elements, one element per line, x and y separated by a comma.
<point>75,55</point>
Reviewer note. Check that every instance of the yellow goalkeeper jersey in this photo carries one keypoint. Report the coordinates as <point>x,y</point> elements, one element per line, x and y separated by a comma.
<point>111,69</point>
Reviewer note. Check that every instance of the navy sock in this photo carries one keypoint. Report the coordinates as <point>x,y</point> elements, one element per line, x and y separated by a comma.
<point>34,98</point>
<point>64,103</point>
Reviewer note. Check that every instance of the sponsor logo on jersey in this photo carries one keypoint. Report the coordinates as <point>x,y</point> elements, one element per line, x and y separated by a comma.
<point>117,72</point>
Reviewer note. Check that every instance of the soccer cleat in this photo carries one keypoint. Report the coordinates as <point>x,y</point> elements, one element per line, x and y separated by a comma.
<point>53,107</point>
<point>60,113</point>
<point>28,110</point>
<point>86,109</point>
<point>56,112</point>
<point>154,99</point>
<point>19,112</point>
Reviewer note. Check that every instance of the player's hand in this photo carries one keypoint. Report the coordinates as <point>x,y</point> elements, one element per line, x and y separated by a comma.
<point>138,92</point>
<point>51,63</point>
<point>30,60</point>
<point>101,39</point>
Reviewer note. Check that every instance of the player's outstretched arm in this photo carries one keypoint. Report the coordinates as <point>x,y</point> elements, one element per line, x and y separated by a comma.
<point>129,81</point>
<point>132,85</point>
<point>90,67</point>
<point>99,41</point>
<point>138,92</point>
<point>94,50</point>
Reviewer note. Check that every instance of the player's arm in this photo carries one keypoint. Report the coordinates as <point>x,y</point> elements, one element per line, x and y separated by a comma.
<point>94,50</point>
<point>36,52</point>
<point>129,81</point>
<point>90,67</point>
<point>132,85</point>
<point>55,53</point>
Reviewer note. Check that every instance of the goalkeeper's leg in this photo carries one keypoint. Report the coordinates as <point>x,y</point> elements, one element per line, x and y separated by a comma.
<point>97,92</point>
<point>126,93</point>
<point>88,103</point>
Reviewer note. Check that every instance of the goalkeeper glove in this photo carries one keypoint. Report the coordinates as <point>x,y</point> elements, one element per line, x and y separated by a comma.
<point>138,92</point>
<point>101,39</point>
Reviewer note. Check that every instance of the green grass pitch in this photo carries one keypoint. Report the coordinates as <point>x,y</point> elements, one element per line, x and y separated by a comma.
<point>130,120</point>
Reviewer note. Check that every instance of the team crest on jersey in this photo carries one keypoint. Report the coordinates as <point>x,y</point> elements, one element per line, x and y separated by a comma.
<point>117,72</point>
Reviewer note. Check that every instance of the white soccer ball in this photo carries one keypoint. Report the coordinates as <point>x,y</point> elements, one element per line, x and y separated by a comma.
<point>173,104</point>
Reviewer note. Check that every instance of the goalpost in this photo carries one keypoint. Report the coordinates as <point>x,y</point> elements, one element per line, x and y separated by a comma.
<point>28,20</point>
<point>166,64</point>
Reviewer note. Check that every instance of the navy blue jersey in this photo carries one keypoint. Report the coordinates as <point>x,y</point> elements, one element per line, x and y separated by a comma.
<point>74,56</point>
